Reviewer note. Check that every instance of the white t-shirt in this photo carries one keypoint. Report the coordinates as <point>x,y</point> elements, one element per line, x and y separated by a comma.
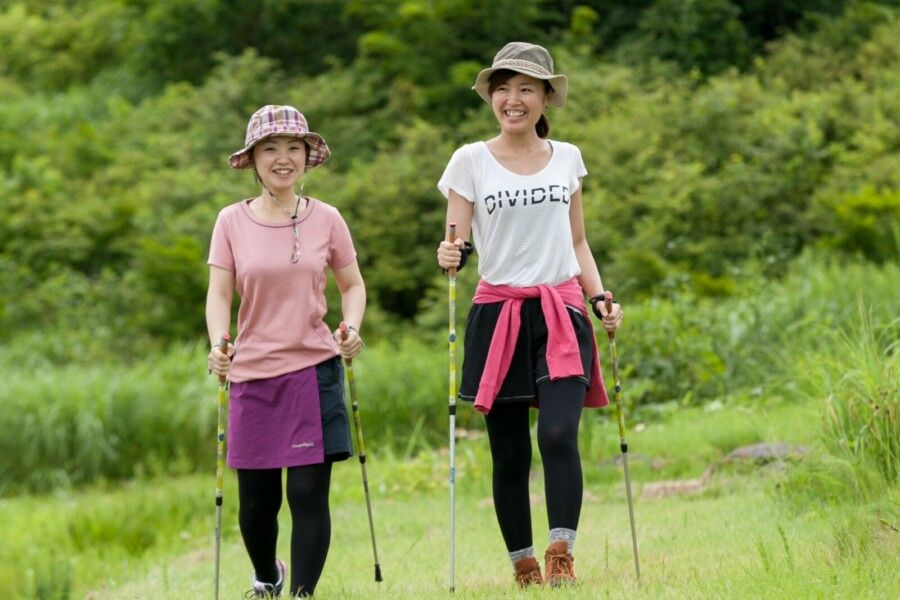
<point>521,222</point>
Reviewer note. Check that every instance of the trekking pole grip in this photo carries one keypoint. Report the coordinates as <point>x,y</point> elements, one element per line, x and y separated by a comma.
<point>223,348</point>
<point>344,334</point>
<point>451,237</point>
<point>608,301</point>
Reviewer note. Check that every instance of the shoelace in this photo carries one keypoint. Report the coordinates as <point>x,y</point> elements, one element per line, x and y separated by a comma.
<point>561,564</point>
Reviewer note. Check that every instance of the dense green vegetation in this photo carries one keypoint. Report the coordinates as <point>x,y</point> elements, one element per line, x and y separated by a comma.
<point>776,342</point>
<point>116,119</point>
<point>743,202</point>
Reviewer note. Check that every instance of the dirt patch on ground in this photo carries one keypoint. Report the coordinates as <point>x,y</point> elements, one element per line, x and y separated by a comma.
<point>759,454</point>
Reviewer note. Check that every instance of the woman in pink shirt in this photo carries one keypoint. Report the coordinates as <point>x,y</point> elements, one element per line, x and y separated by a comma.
<point>286,407</point>
<point>529,341</point>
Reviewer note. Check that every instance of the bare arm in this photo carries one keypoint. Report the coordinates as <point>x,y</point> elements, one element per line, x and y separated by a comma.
<point>459,211</point>
<point>353,306</point>
<point>219,296</point>
<point>590,275</point>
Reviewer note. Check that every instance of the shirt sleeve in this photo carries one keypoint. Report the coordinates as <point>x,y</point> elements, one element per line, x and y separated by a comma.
<point>578,169</point>
<point>459,175</point>
<point>220,254</point>
<point>340,251</point>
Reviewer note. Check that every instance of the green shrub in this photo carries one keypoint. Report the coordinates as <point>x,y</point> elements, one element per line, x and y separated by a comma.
<point>860,384</point>
<point>866,222</point>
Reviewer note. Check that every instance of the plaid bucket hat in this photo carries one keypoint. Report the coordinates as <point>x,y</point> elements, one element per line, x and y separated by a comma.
<point>528,59</point>
<point>272,120</point>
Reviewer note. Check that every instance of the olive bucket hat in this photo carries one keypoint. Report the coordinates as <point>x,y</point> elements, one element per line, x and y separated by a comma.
<point>528,59</point>
<point>270,121</point>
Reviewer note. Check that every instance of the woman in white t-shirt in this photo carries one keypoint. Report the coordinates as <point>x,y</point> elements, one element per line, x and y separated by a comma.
<point>529,340</point>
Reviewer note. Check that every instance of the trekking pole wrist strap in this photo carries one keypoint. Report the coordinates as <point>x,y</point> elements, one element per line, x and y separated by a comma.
<point>594,300</point>
<point>356,331</point>
<point>466,250</point>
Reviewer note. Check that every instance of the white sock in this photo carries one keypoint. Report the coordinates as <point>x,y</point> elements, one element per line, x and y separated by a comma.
<point>558,534</point>
<point>520,554</point>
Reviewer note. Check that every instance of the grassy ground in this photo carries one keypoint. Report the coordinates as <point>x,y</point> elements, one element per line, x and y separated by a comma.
<point>748,533</point>
<point>733,542</point>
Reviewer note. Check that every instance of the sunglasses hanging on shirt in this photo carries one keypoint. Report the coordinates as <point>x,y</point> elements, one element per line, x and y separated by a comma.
<point>295,249</point>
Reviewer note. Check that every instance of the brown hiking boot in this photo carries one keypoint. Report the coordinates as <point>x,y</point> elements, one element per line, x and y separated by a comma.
<point>559,565</point>
<point>528,572</point>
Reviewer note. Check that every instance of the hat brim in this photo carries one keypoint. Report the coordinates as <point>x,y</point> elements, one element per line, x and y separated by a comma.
<point>318,150</point>
<point>560,83</point>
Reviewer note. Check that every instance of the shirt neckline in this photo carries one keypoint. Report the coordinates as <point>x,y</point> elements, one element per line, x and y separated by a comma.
<point>499,165</point>
<point>301,216</point>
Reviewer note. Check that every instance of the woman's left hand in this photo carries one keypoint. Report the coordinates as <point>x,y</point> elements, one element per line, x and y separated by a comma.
<point>611,319</point>
<point>351,346</point>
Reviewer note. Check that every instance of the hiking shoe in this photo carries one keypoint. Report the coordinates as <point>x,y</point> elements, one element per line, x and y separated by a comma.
<point>528,572</point>
<point>262,589</point>
<point>559,566</point>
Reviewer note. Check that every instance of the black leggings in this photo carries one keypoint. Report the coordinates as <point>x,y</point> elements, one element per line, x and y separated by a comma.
<point>259,492</point>
<point>510,438</point>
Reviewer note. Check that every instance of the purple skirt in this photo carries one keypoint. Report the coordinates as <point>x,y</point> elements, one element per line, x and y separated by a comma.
<point>290,420</point>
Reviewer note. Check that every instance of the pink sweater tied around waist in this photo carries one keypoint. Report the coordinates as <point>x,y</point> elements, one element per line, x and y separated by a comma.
<point>563,357</point>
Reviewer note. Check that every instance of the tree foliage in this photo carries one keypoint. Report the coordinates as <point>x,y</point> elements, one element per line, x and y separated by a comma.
<point>721,137</point>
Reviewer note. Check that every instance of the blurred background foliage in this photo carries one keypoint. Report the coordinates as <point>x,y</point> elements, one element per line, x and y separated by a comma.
<point>743,198</point>
<point>722,137</point>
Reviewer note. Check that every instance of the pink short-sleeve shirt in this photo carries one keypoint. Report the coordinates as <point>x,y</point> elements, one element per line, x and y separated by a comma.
<point>280,326</point>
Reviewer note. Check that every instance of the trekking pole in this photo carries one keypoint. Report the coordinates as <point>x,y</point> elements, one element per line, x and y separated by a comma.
<point>451,273</point>
<point>623,445</point>
<point>220,457</point>
<point>357,424</point>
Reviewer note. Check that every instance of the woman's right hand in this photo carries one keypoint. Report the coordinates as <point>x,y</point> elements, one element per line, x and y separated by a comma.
<point>218,362</point>
<point>449,254</point>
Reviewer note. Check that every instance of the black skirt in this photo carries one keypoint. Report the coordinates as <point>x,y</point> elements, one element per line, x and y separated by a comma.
<point>529,361</point>
<point>335,421</point>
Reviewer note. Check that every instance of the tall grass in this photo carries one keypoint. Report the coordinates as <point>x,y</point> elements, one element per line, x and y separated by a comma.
<point>857,379</point>
<point>53,544</point>
<point>85,422</point>
<point>852,375</point>
<point>81,423</point>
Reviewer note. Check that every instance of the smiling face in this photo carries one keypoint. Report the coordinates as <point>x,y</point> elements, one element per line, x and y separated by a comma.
<point>280,162</point>
<point>518,102</point>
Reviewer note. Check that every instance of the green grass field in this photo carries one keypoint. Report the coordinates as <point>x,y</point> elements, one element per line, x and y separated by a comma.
<point>107,470</point>
<point>751,532</point>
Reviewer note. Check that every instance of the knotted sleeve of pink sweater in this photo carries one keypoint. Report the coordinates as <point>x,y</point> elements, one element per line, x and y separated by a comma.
<point>563,357</point>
